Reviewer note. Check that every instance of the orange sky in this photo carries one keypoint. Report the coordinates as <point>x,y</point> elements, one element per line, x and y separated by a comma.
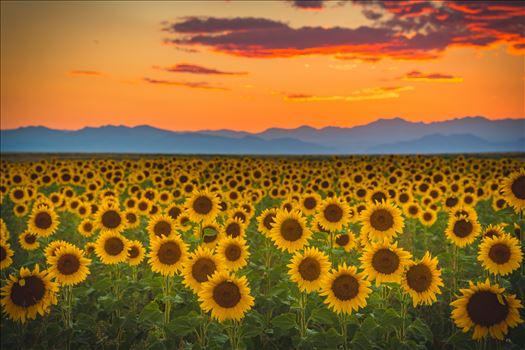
<point>70,65</point>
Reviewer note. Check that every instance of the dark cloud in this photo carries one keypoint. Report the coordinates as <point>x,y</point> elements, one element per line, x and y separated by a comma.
<point>432,77</point>
<point>91,73</point>
<point>196,69</point>
<point>193,85</point>
<point>206,25</point>
<point>308,4</point>
<point>400,30</point>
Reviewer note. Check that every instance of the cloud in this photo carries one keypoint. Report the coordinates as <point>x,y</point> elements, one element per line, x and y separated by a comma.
<point>375,93</point>
<point>196,69</point>
<point>433,77</point>
<point>193,85</point>
<point>90,73</point>
<point>408,30</point>
<point>308,4</point>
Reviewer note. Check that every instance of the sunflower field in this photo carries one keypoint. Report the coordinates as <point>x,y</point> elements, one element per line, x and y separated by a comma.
<point>361,252</point>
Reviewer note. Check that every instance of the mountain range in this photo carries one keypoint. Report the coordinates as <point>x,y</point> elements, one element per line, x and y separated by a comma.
<point>383,136</point>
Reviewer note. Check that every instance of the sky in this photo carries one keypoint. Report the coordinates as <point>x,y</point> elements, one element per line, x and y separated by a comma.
<point>252,65</point>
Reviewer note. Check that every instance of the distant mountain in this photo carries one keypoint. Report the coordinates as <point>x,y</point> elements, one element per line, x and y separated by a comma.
<point>463,143</point>
<point>469,134</point>
<point>145,139</point>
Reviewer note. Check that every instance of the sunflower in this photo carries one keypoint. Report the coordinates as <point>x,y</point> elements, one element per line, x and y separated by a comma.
<point>487,309</point>
<point>309,269</point>
<point>31,293</point>
<point>422,280</point>
<point>161,226</point>
<point>109,218</point>
<point>384,262</point>
<point>90,247</point>
<point>500,255</point>
<point>20,210</point>
<point>234,227</point>
<point>513,189</point>
<point>382,220</point>
<point>309,203</point>
<point>427,218</point>
<point>211,234</point>
<point>203,206</point>
<point>43,221</point>
<point>462,230</point>
<point>28,241</point>
<point>136,253</point>
<point>346,290</point>
<point>493,230</point>
<point>51,249</point>
<point>112,248</point>
<point>234,252</point>
<point>289,231</point>
<point>266,220</point>
<point>132,218</point>
<point>5,255</point>
<point>4,232</point>
<point>86,228</point>
<point>333,214</point>
<point>167,255</point>
<point>69,266</point>
<point>346,241</point>
<point>226,296</point>
<point>201,265</point>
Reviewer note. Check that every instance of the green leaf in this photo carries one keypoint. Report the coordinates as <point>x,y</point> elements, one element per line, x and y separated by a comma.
<point>151,313</point>
<point>285,321</point>
<point>419,330</point>
<point>323,316</point>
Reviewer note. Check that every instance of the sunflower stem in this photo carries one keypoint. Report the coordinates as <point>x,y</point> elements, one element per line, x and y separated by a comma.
<point>344,329</point>
<point>167,302</point>
<point>303,297</point>
<point>331,247</point>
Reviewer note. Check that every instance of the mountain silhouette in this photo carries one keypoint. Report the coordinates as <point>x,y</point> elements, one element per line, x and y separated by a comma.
<point>462,135</point>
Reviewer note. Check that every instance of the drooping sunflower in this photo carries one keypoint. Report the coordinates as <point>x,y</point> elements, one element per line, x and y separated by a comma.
<point>4,232</point>
<point>346,290</point>
<point>462,230</point>
<point>234,252</point>
<point>266,220</point>
<point>28,241</point>
<point>167,255</point>
<point>422,279</point>
<point>112,248</point>
<point>289,231</point>
<point>43,221</point>
<point>309,269</point>
<point>333,214</point>
<point>136,253</point>
<point>500,255</point>
<point>203,206</point>
<point>485,307</point>
<point>108,218</point>
<point>29,294</point>
<point>384,262</point>
<point>68,266</point>
<point>382,220</point>
<point>90,247</point>
<point>226,296</point>
<point>161,225</point>
<point>202,264</point>
<point>5,254</point>
<point>513,189</point>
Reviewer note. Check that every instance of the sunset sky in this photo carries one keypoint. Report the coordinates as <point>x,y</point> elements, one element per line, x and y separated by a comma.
<point>254,65</point>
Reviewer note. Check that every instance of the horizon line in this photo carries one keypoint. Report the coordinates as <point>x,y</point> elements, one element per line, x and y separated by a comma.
<point>265,129</point>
